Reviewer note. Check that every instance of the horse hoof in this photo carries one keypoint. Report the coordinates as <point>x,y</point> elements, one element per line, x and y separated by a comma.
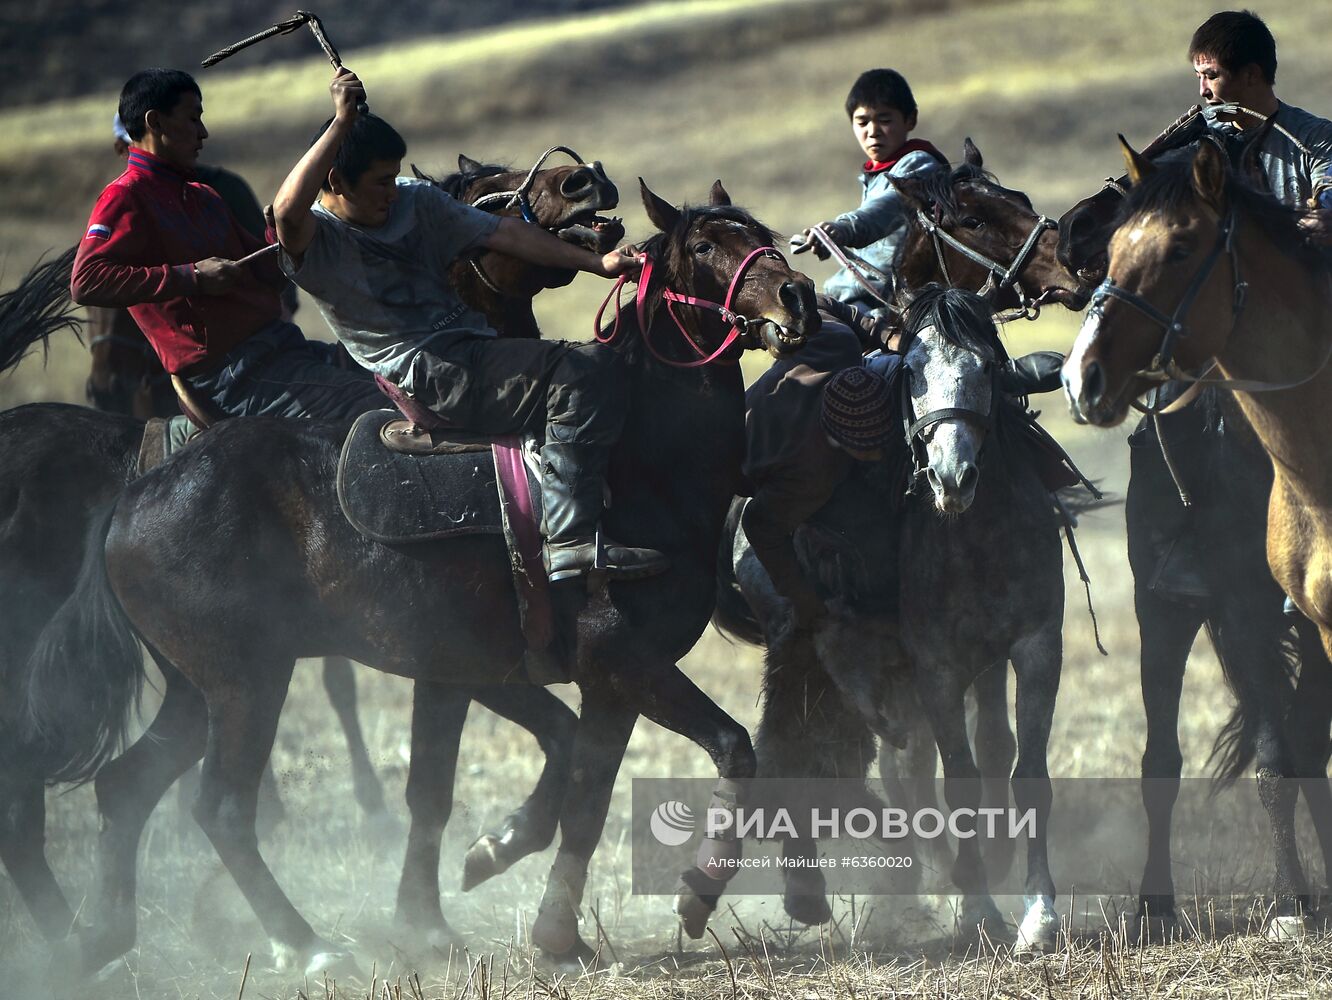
<point>483,861</point>
<point>1290,928</point>
<point>694,911</point>
<point>810,910</point>
<point>555,930</point>
<point>981,918</point>
<point>1039,930</point>
<point>334,965</point>
<point>805,900</point>
<point>577,958</point>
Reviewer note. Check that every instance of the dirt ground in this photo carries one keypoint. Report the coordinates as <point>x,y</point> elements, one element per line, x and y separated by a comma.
<point>1042,88</point>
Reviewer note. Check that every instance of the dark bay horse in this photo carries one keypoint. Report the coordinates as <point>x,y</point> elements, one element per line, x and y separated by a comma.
<point>1198,225</point>
<point>1219,464</point>
<point>442,613</point>
<point>63,463</point>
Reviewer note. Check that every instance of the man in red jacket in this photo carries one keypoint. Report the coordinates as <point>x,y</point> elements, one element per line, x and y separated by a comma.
<point>166,246</point>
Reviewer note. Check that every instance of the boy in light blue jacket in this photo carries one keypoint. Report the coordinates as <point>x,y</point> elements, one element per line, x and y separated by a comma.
<point>883,114</point>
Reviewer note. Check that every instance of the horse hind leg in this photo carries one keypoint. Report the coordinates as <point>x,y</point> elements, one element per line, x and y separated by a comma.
<point>340,684</point>
<point>23,850</point>
<point>128,790</point>
<point>531,827</point>
<point>242,723</point>
<point>1310,719</point>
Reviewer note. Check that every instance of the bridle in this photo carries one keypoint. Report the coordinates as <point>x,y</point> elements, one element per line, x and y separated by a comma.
<point>740,325</point>
<point>915,427</point>
<point>999,277</point>
<point>517,198</point>
<point>1163,367</point>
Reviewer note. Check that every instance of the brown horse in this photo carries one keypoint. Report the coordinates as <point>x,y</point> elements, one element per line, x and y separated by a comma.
<point>1210,280</point>
<point>62,464</point>
<point>442,613</point>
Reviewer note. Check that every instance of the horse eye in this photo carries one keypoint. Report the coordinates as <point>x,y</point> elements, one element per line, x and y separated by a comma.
<point>971,222</point>
<point>703,249</point>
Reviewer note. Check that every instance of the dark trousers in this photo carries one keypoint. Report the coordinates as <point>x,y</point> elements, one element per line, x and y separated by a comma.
<point>278,373</point>
<point>493,385</point>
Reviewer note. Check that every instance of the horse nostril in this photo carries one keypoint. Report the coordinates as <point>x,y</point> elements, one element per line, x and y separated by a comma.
<point>1093,382</point>
<point>578,183</point>
<point>967,481</point>
<point>790,296</point>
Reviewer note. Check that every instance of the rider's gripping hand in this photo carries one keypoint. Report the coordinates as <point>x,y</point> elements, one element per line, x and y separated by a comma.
<point>348,93</point>
<point>216,275</point>
<point>627,260</point>
<point>806,240</point>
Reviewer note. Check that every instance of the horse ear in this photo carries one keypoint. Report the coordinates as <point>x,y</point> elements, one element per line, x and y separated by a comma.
<point>663,214</point>
<point>467,165</point>
<point>912,190</point>
<point>718,196</point>
<point>1209,174</point>
<point>416,172</point>
<point>1139,167</point>
<point>971,155</point>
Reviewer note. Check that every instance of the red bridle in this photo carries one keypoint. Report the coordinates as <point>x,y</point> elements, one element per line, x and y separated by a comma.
<point>739,323</point>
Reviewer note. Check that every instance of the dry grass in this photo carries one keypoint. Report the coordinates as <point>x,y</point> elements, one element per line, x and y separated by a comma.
<point>1042,88</point>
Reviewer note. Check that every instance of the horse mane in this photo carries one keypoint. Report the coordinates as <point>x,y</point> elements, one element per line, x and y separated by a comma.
<point>37,308</point>
<point>961,317</point>
<point>1169,188</point>
<point>456,184</point>
<point>940,188</point>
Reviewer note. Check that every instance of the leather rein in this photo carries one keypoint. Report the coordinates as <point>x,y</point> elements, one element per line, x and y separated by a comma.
<point>739,323</point>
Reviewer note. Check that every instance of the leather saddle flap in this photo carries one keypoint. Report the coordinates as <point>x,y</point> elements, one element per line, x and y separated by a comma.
<point>395,497</point>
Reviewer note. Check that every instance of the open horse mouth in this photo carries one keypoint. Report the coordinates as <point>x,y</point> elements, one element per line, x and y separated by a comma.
<point>1071,298</point>
<point>598,233</point>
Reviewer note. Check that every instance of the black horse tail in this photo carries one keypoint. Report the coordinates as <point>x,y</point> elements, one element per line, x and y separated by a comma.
<point>1237,743</point>
<point>85,673</point>
<point>37,308</point>
<point>733,615</point>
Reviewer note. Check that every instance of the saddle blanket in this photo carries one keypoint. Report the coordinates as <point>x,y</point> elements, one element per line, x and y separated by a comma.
<point>397,498</point>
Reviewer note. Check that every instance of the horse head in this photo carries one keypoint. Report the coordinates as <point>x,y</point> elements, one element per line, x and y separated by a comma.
<point>952,354</point>
<point>969,232</point>
<point>715,271</point>
<point>1173,291</point>
<point>565,200</point>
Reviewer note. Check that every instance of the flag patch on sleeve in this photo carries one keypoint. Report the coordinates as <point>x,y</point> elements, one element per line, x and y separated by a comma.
<point>98,231</point>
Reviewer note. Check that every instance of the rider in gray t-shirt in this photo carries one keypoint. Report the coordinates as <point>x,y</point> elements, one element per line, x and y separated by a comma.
<point>375,254</point>
<point>379,287</point>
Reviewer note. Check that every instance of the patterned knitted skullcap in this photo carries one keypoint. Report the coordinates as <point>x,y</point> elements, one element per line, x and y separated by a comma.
<point>857,409</point>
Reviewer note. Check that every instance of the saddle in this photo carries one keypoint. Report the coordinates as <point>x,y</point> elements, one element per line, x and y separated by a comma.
<point>401,483</point>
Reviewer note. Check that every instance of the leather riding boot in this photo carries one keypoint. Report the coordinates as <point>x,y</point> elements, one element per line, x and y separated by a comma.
<point>573,484</point>
<point>1179,574</point>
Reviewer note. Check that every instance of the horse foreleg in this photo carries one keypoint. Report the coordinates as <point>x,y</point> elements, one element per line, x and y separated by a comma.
<point>996,750</point>
<point>1037,660</point>
<point>941,691</point>
<point>128,789</point>
<point>438,714</point>
<point>340,683</point>
<point>1167,631</point>
<point>604,726</point>
<point>530,827</point>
